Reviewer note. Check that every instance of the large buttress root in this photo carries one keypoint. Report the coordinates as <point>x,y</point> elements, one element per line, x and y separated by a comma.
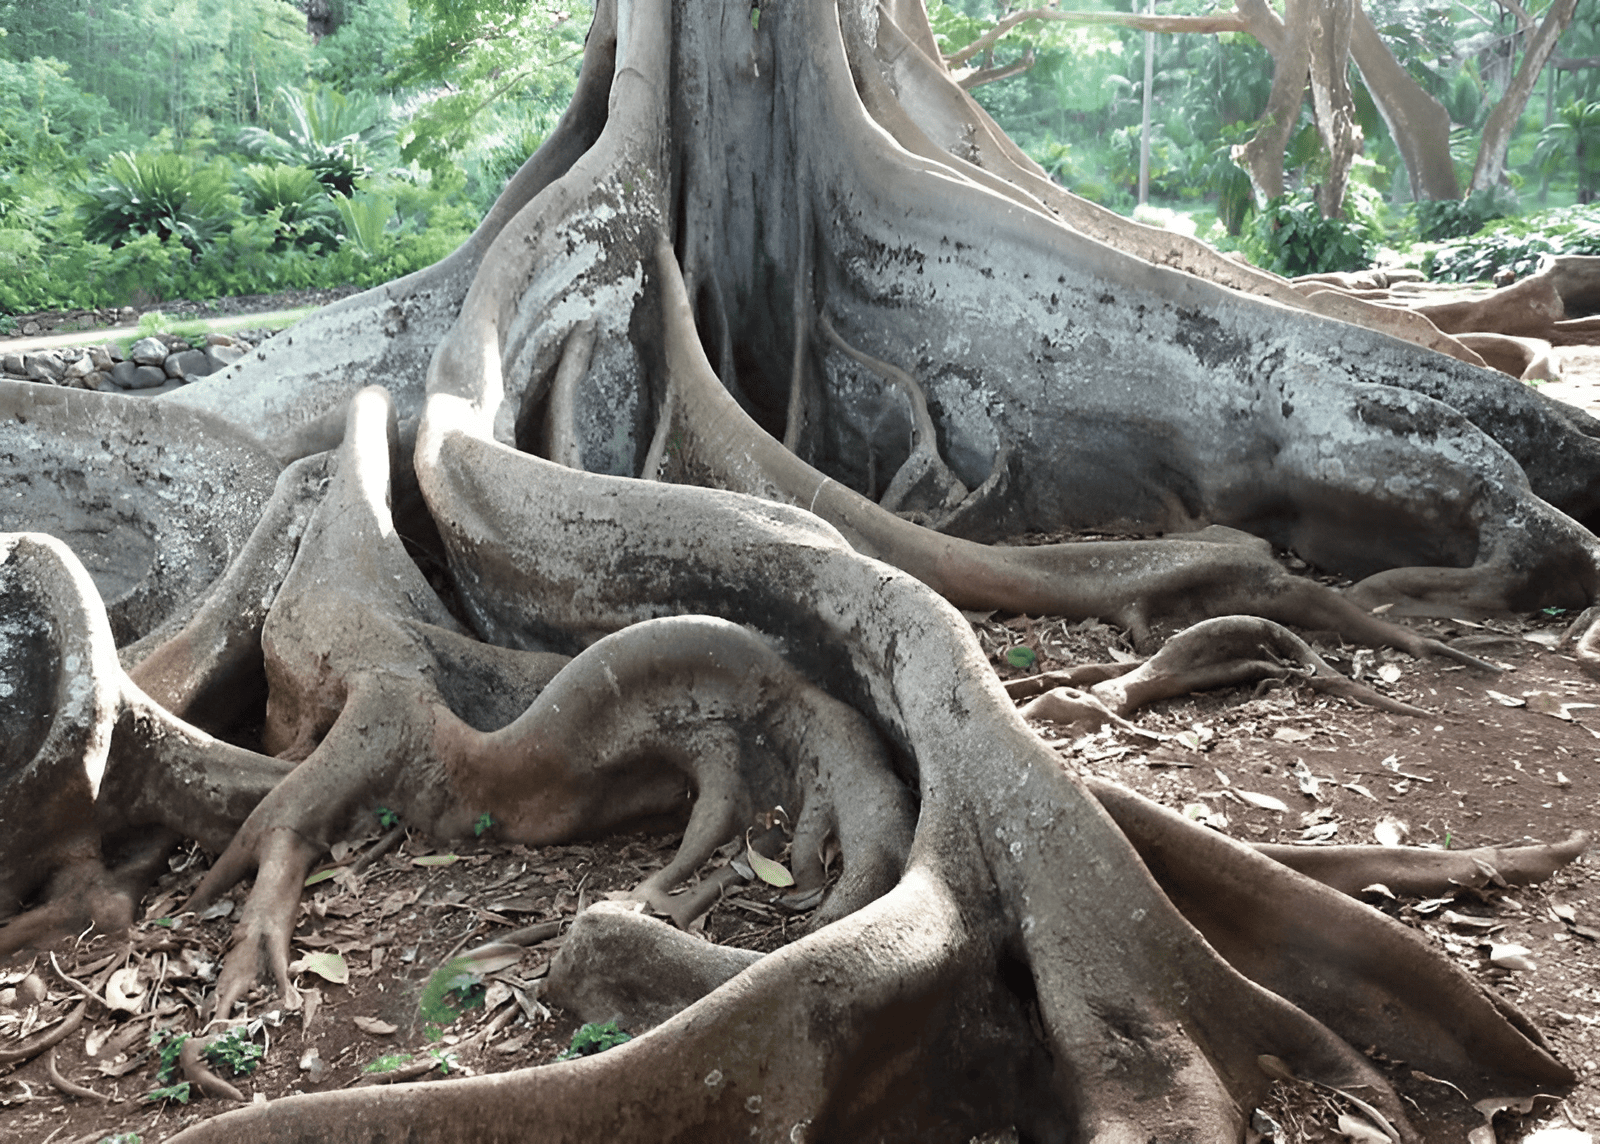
<point>373,687</point>
<point>97,781</point>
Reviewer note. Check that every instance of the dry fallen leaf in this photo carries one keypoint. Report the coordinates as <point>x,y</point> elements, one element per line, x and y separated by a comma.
<point>328,966</point>
<point>1505,700</point>
<point>1511,957</point>
<point>124,991</point>
<point>1361,1131</point>
<point>374,1026</point>
<point>1389,673</point>
<point>1548,703</point>
<point>1291,735</point>
<point>1307,781</point>
<point>1262,801</point>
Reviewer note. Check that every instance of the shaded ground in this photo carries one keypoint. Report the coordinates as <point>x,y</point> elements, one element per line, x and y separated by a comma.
<point>1503,759</point>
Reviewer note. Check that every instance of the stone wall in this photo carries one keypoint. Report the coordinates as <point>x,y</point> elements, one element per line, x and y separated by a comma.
<point>156,364</point>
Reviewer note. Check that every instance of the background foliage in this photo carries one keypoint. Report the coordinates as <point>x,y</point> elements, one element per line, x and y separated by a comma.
<point>154,149</point>
<point>160,149</point>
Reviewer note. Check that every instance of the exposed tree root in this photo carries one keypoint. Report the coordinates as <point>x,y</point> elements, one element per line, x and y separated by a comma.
<point>1008,947</point>
<point>1223,652</point>
<point>923,481</point>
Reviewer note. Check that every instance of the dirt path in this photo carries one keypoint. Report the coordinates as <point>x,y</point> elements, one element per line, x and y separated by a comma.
<point>1580,378</point>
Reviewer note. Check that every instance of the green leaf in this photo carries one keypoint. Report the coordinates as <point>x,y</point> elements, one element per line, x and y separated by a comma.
<point>323,875</point>
<point>770,872</point>
<point>1020,656</point>
<point>178,1092</point>
<point>594,1038</point>
<point>388,1063</point>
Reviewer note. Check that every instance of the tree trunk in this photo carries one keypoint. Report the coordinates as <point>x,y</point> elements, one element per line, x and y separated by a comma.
<point>1262,156</point>
<point>1331,101</point>
<point>640,422</point>
<point>1418,122</point>
<point>1490,167</point>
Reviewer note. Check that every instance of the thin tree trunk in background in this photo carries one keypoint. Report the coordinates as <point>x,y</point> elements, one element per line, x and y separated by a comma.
<point>1262,157</point>
<point>1503,119</point>
<point>1330,97</point>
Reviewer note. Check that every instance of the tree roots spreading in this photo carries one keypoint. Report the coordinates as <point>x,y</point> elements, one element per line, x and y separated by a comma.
<point>677,477</point>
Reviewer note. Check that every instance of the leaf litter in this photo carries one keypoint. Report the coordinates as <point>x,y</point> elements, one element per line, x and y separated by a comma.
<point>1483,773</point>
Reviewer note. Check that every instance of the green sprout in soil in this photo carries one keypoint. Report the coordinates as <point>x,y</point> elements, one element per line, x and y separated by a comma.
<point>168,1043</point>
<point>387,818</point>
<point>236,1050</point>
<point>178,1092</point>
<point>482,826</point>
<point>452,990</point>
<point>594,1038</point>
<point>388,1063</point>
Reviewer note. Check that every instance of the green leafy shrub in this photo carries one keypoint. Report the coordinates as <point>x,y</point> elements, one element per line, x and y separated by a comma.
<point>1571,142</point>
<point>294,199</point>
<point>236,1050</point>
<point>1290,237</point>
<point>331,134</point>
<point>1517,245</point>
<point>594,1038</point>
<point>1453,218</point>
<point>160,194</point>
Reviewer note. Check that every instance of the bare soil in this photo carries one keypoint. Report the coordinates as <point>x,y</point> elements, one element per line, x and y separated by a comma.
<point>1501,759</point>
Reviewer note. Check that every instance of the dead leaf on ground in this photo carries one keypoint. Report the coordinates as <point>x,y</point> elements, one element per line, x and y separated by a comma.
<point>1505,700</point>
<point>124,991</point>
<point>1262,801</point>
<point>1549,703</point>
<point>1361,1131</point>
<point>328,966</point>
<point>1511,957</point>
<point>374,1026</point>
<point>1291,735</point>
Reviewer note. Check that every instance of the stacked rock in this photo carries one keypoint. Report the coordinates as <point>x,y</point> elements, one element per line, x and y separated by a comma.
<point>153,365</point>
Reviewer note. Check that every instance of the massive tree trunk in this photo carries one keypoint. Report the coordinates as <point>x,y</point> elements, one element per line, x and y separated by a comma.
<point>747,373</point>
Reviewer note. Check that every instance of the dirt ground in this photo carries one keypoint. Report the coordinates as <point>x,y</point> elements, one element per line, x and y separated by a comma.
<point>1500,759</point>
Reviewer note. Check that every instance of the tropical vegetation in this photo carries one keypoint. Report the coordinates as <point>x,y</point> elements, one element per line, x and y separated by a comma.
<point>155,149</point>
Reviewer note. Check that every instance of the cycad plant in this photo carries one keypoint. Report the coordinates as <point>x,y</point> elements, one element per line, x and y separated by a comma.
<point>1573,138</point>
<point>330,133</point>
<point>155,193</point>
<point>295,199</point>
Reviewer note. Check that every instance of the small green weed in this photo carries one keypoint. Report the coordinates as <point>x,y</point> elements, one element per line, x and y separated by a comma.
<point>451,991</point>
<point>168,1043</point>
<point>388,1063</point>
<point>387,818</point>
<point>178,1092</point>
<point>594,1038</point>
<point>236,1050</point>
<point>484,824</point>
